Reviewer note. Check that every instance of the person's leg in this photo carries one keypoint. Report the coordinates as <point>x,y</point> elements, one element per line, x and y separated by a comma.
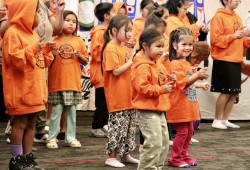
<point>219,111</point>
<point>179,141</point>
<point>101,113</point>
<point>165,142</point>
<point>227,111</point>
<point>151,128</point>
<point>54,123</point>
<point>41,122</point>
<point>184,153</point>
<point>3,117</point>
<point>70,134</point>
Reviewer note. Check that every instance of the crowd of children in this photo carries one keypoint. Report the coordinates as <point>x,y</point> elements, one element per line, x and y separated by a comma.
<point>151,63</point>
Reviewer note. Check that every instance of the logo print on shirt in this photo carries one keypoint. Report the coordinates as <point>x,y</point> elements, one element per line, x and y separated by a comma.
<point>161,77</point>
<point>40,60</point>
<point>191,91</point>
<point>66,52</point>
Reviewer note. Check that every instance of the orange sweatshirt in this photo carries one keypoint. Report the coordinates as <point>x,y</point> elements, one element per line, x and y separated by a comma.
<point>64,71</point>
<point>184,105</point>
<point>117,88</point>
<point>147,78</point>
<point>138,27</point>
<point>175,22</point>
<point>118,5</point>
<point>96,35</point>
<point>23,66</point>
<point>223,44</point>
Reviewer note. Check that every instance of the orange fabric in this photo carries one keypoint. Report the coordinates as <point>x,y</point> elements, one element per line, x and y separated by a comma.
<point>118,5</point>
<point>223,44</point>
<point>96,36</point>
<point>24,81</point>
<point>64,72</point>
<point>184,105</point>
<point>175,22</point>
<point>138,27</point>
<point>147,78</point>
<point>117,89</point>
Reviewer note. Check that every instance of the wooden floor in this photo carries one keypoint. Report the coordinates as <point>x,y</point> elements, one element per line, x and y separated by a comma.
<point>217,150</point>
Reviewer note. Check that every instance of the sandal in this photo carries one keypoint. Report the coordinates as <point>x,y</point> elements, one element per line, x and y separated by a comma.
<point>52,144</point>
<point>75,144</point>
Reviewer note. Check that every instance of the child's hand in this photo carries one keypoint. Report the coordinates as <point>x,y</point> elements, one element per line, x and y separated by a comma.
<point>172,77</point>
<point>130,43</point>
<point>239,33</point>
<point>202,73</point>
<point>168,87</point>
<point>205,86</point>
<point>52,45</point>
<point>205,28</point>
<point>165,55</point>
<point>60,5</point>
<point>77,53</point>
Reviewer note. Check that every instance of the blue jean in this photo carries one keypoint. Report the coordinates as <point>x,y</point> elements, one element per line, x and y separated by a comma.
<point>54,123</point>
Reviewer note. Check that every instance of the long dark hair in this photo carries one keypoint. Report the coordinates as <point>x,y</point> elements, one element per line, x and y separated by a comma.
<point>175,37</point>
<point>68,12</point>
<point>173,5</point>
<point>117,22</point>
<point>148,36</point>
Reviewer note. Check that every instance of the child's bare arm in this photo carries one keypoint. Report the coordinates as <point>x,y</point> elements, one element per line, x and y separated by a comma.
<point>120,70</point>
<point>201,74</point>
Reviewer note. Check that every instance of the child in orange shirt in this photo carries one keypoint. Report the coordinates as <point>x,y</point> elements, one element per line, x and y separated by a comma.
<point>24,82</point>
<point>138,24</point>
<point>227,48</point>
<point>64,81</point>
<point>120,8</point>
<point>103,12</point>
<point>150,96</point>
<point>184,106</point>
<point>116,63</point>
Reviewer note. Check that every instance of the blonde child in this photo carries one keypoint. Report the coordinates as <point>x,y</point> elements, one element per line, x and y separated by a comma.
<point>150,93</point>
<point>184,106</point>
<point>116,63</point>
<point>227,46</point>
<point>65,81</point>
<point>25,93</point>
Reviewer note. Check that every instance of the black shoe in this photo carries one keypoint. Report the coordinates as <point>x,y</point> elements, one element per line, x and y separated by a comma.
<point>31,161</point>
<point>19,163</point>
<point>61,136</point>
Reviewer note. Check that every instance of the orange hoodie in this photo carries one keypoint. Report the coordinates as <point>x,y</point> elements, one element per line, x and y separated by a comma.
<point>118,5</point>
<point>147,79</point>
<point>96,35</point>
<point>223,44</point>
<point>23,66</point>
<point>138,27</point>
<point>175,22</point>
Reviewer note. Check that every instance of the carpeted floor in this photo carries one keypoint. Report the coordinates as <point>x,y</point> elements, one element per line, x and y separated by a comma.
<point>217,150</point>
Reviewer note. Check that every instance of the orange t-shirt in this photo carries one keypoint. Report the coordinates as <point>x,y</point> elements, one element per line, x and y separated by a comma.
<point>138,27</point>
<point>64,71</point>
<point>96,35</point>
<point>117,88</point>
<point>24,82</point>
<point>184,104</point>
<point>175,22</point>
<point>147,78</point>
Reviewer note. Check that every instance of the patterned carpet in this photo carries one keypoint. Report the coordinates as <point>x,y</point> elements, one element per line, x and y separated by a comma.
<point>217,150</point>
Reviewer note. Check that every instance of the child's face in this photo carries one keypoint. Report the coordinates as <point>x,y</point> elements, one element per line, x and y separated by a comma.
<point>122,11</point>
<point>124,33</point>
<point>112,13</point>
<point>155,51</point>
<point>183,9</point>
<point>232,4</point>
<point>185,47</point>
<point>69,24</point>
<point>144,11</point>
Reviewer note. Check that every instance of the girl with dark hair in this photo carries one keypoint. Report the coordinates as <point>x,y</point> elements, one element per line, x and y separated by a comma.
<point>64,82</point>
<point>116,63</point>
<point>184,105</point>
<point>150,93</point>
